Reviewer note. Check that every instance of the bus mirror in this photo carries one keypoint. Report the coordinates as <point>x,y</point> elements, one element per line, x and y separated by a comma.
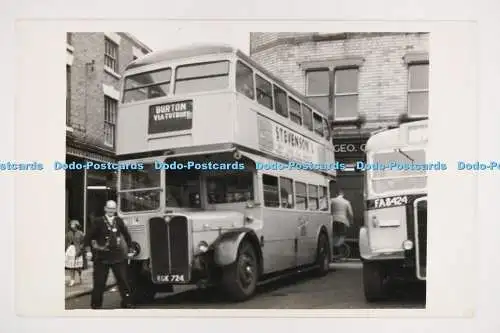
<point>237,155</point>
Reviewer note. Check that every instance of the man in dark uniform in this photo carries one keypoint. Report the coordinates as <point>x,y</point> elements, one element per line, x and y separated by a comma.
<point>110,240</point>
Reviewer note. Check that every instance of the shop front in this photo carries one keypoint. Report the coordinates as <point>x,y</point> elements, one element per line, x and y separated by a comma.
<point>349,151</point>
<point>87,190</point>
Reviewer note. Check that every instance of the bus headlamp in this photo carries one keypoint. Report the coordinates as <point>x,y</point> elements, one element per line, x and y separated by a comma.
<point>407,245</point>
<point>135,249</point>
<point>203,247</point>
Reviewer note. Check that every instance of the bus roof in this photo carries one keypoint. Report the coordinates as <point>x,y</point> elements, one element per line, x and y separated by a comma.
<point>393,138</point>
<point>195,50</point>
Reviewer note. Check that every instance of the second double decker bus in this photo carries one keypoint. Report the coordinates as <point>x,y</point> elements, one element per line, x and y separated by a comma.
<point>393,240</point>
<point>217,202</point>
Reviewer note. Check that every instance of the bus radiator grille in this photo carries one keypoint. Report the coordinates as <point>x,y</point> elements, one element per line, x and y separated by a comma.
<point>169,246</point>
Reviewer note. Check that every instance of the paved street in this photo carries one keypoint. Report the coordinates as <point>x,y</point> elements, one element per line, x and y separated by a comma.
<point>340,289</point>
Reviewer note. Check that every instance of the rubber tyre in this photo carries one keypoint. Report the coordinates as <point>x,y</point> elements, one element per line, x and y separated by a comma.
<point>323,255</point>
<point>143,289</point>
<point>239,279</point>
<point>143,294</point>
<point>374,281</point>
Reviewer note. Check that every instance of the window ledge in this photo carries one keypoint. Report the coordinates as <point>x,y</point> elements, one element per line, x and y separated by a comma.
<point>70,48</point>
<point>332,63</point>
<point>406,118</point>
<point>112,72</point>
<point>69,129</point>
<point>416,57</point>
<point>358,122</point>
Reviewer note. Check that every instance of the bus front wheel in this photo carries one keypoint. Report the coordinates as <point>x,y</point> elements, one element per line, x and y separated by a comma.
<point>240,278</point>
<point>374,281</point>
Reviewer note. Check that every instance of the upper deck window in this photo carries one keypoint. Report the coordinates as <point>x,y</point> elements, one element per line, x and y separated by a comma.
<point>244,80</point>
<point>264,92</point>
<point>148,85</point>
<point>318,124</point>
<point>393,179</point>
<point>202,77</point>
<point>307,117</point>
<point>295,114</point>
<point>280,102</point>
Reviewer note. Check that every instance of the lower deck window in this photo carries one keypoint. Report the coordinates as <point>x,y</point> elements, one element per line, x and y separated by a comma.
<point>301,196</point>
<point>286,188</point>
<point>271,191</point>
<point>313,197</point>
<point>229,188</point>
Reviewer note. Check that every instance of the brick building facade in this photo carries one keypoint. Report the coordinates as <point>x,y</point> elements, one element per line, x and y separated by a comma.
<point>364,82</point>
<point>94,65</point>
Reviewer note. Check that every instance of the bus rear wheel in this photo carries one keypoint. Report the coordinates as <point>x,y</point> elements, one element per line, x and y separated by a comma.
<point>374,281</point>
<point>239,279</point>
<point>323,255</point>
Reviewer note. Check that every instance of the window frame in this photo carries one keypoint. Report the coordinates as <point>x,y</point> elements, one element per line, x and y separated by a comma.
<point>264,191</point>
<point>110,115</point>
<point>176,80</point>
<point>309,197</point>
<point>111,45</point>
<point>293,192</point>
<point>293,114</point>
<point>306,197</point>
<point>308,110</point>
<point>147,86</point>
<point>252,71</point>
<point>257,90</point>
<point>416,91</point>
<point>328,95</point>
<point>276,88</point>
<point>335,94</point>
<point>322,133</point>
<point>68,95</point>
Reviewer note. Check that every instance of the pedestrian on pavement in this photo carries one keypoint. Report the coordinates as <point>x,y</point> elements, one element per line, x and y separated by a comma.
<point>342,217</point>
<point>110,240</point>
<point>75,260</point>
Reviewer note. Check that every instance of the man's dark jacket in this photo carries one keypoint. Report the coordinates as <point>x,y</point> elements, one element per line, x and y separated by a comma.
<point>100,232</point>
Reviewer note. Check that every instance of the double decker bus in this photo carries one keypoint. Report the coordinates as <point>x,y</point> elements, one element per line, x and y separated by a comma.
<point>393,240</point>
<point>216,201</point>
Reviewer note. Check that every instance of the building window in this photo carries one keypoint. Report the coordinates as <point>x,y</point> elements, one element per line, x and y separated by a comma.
<point>110,107</point>
<point>345,94</point>
<point>334,92</point>
<point>111,55</point>
<point>69,38</point>
<point>318,88</point>
<point>418,89</point>
<point>68,95</point>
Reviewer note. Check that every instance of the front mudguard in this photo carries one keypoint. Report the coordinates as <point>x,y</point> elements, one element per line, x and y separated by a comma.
<point>226,246</point>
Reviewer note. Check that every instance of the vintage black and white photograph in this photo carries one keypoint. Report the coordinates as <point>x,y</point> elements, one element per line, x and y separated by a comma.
<point>287,170</point>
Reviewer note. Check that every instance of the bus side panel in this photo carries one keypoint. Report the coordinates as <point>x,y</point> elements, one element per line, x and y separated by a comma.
<point>246,129</point>
<point>280,234</point>
<point>391,230</point>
